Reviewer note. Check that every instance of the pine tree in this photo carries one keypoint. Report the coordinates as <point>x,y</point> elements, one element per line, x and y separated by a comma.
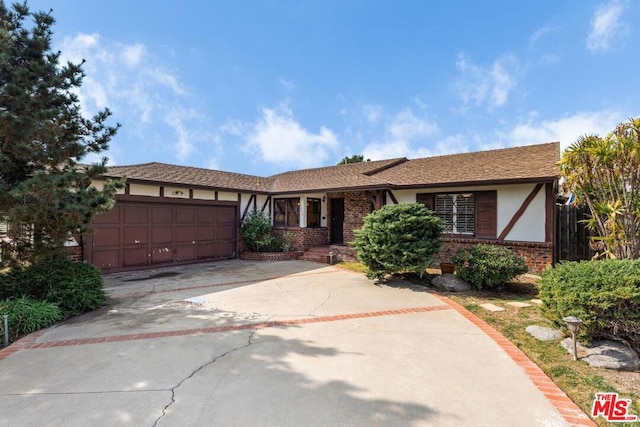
<point>45,191</point>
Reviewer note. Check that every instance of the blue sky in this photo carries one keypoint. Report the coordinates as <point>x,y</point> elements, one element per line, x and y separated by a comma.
<point>261,87</point>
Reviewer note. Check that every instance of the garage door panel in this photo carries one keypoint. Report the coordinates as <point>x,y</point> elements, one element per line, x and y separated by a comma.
<point>162,215</point>
<point>226,214</point>
<point>185,234</point>
<point>206,250</point>
<point>135,235</point>
<point>160,254</point>
<point>106,258</point>
<point>110,217</point>
<point>106,236</point>
<point>224,232</point>
<point>185,215</point>
<point>162,235</point>
<point>139,234</point>
<point>134,256</point>
<point>186,253</point>
<point>206,215</point>
<point>224,249</point>
<point>205,233</point>
<point>136,214</point>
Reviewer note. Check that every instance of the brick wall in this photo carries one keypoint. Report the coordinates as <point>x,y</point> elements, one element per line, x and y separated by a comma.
<point>74,253</point>
<point>304,237</point>
<point>537,256</point>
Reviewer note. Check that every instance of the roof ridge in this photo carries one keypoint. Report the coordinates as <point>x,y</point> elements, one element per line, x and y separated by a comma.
<point>492,150</point>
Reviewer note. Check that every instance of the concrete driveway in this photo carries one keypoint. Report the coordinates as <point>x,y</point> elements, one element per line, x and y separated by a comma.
<point>294,343</point>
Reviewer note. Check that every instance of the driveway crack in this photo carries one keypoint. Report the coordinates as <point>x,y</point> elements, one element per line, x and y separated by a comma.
<point>200,368</point>
<point>321,305</point>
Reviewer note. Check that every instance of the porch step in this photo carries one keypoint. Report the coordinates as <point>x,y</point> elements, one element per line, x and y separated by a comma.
<point>327,254</point>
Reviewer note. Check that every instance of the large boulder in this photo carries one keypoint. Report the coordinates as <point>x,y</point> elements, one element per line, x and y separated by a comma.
<point>606,354</point>
<point>544,334</point>
<point>450,283</point>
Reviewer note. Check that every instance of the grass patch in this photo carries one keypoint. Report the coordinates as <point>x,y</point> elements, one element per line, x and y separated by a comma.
<point>577,379</point>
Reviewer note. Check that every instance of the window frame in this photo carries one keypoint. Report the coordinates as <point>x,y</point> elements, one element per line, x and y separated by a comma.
<point>318,202</point>
<point>291,211</point>
<point>453,219</point>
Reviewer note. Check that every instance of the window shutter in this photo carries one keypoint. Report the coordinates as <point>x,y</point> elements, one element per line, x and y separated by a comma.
<point>426,199</point>
<point>486,214</point>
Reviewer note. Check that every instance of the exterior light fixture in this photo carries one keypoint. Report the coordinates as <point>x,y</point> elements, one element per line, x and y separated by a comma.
<point>573,324</point>
<point>178,193</point>
<point>324,199</point>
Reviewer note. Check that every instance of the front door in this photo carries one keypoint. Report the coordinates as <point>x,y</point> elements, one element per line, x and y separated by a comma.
<point>337,221</point>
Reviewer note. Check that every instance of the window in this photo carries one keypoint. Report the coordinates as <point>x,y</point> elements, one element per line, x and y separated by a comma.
<point>457,211</point>
<point>469,213</point>
<point>313,212</point>
<point>287,212</point>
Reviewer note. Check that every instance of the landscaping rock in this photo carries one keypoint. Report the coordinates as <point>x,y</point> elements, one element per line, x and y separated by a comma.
<point>544,334</point>
<point>451,283</point>
<point>491,307</point>
<point>606,354</point>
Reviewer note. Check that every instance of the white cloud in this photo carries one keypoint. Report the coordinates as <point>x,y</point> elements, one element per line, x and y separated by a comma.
<point>287,84</point>
<point>280,139</point>
<point>372,112</point>
<point>146,96</point>
<point>403,132</point>
<point>486,85</point>
<point>539,34</point>
<point>566,129</point>
<point>606,26</point>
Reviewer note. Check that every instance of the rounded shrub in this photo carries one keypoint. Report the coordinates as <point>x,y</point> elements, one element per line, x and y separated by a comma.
<point>256,231</point>
<point>604,294</point>
<point>73,286</point>
<point>26,315</point>
<point>488,266</point>
<point>397,238</point>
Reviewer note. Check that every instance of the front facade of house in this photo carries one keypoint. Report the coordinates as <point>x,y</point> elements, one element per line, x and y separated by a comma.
<point>171,214</point>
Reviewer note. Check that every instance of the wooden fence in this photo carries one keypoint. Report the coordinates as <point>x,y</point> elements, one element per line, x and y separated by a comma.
<point>572,236</point>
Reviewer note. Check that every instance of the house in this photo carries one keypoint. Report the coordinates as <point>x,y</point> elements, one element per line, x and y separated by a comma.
<point>170,214</point>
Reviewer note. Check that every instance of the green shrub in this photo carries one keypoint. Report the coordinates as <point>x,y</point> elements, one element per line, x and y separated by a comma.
<point>74,287</point>
<point>605,294</point>
<point>398,238</point>
<point>27,315</point>
<point>256,231</point>
<point>488,266</point>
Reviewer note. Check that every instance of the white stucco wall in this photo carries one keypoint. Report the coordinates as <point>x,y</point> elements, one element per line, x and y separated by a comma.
<point>176,192</point>
<point>529,228</point>
<point>145,190</point>
<point>202,194</point>
<point>227,196</point>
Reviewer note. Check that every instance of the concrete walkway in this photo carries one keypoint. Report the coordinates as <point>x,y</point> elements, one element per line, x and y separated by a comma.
<point>294,343</point>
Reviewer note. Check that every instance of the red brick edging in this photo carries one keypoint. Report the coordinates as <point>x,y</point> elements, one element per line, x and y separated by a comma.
<point>564,405</point>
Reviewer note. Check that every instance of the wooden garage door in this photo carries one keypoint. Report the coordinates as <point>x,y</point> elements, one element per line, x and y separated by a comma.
<point>136,235</point>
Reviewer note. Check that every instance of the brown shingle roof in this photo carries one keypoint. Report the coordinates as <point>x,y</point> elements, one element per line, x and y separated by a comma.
<point>531,162</point>
<point>347,176</point>
<point>186,175</point>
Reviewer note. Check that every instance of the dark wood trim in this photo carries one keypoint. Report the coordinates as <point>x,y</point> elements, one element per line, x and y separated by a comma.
<point>549,222</point>
<point>127,189</point>
<point>172,200</point>
<point>215,196</point>
<point>393,198</point>
<point>191,193</point>
<point>520,211</point>
<point>246,208</point>
<point>266,202</point>
<point>161,191</point>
